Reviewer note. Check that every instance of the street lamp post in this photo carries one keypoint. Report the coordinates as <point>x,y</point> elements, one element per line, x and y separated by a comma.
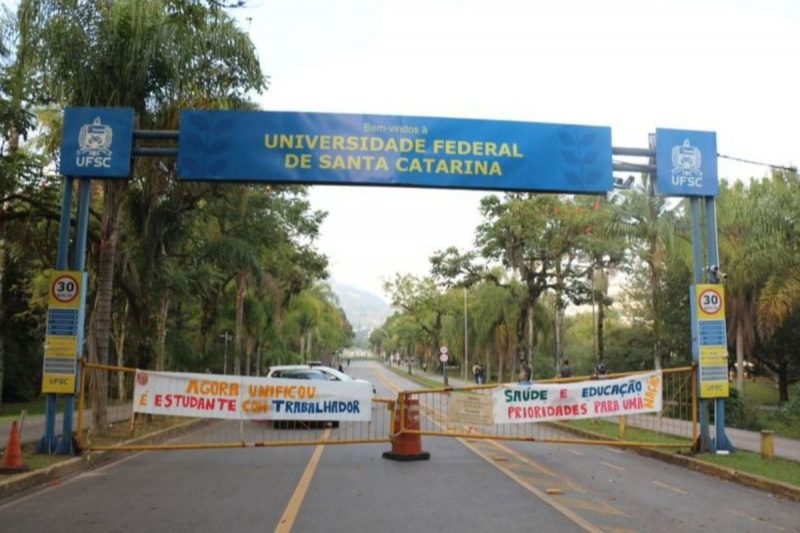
<point>226,337</point>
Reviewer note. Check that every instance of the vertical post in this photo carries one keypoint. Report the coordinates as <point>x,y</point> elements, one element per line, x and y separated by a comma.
<point>65,446</point>
<point>81,400</point>
<point>226,337</point>
<point>466,339</point>
<point>697,268</point>
<point>721,442</point>
<point>47,444</point>
<point>767,444</point>
<point>695,432</point>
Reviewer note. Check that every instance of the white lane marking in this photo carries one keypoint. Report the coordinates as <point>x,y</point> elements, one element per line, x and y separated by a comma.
<point>612,465</point>
<point>670,487</point>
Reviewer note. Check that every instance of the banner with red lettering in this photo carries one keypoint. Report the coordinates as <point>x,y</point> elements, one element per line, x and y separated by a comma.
<point>586,399</point>
<point>249,398</point>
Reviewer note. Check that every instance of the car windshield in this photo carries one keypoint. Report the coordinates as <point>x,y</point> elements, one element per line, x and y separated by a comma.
<point>304,374</point>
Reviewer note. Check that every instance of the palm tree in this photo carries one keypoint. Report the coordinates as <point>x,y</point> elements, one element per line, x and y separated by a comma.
<point>143,54</point>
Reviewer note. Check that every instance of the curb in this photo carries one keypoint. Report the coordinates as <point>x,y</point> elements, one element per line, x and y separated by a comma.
<point>87,461</point>
<point>743,478</point>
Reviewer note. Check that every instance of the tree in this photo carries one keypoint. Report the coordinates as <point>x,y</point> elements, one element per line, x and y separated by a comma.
<point>538,237</point>
<point>144,54</point>
<point>649,224</point>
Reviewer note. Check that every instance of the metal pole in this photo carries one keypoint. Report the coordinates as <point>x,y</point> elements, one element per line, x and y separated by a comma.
<point>48,442</point>
<point>697,267</point>
<point>466,338</point>
<point>65,446</point>
<point>721,442</point>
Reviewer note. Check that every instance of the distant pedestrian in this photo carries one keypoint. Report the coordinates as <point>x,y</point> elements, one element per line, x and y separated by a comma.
<point>481,375</point>
<point>340,368</point>
<point>526,373</point>
<point>475,369</point>
<point>566,370</point>
<point>425,367</point>
<point>600,371</point>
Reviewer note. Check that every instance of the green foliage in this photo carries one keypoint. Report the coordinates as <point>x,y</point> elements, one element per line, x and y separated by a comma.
<point>742,412</point>
<point>194,260</point>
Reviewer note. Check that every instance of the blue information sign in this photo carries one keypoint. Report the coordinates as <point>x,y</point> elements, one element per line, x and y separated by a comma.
<point>686,163</point>
<point>97,142</point>
<point>343,149</point>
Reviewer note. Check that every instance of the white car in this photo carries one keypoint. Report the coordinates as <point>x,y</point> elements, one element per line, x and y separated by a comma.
<point>313,371</point>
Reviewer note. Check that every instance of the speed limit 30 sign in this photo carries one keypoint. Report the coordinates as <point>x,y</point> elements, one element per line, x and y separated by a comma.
<point>65,288</point>
<point>710,301</point>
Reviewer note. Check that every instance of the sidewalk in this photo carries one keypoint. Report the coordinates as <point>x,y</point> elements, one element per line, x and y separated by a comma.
<point>742,439</point>
<point>33,425</point>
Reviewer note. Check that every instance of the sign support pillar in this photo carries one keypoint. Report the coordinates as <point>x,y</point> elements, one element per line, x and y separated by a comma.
<point>47,444</point>
<point>721,442</point>
<point>65,444</point>
<point>697,262</point>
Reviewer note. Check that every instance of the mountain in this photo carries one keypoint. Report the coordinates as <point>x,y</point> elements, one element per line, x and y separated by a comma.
<point>364,310</point>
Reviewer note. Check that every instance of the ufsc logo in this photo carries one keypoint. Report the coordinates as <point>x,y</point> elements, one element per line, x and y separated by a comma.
<point>686,162</point>
<point>94,143</point>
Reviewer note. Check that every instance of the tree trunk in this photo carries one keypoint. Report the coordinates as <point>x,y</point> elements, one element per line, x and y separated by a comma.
<point>529,339</point>
<point>161,330</point>
<point>100,325</point>
<point>783,382</point>
<point>303,347</point>
<point>514,361</point>
<point>739,360</point>
<point>248,354</point>
<point>655,281</point>
<point>241,286</point>
<point>2,313</point>
<point>488,372</point>
<point>119,348</point>
<point>601,326</point>
<point>500,367</point>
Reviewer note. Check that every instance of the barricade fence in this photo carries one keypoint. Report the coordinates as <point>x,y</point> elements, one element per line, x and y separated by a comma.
<point>563,410</point>
<point>211,432</point>
<point>621,410</point>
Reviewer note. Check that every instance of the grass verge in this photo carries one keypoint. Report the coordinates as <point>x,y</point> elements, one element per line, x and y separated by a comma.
<point>778,468</point>
<point>611,430</point>
<point>11,411</point>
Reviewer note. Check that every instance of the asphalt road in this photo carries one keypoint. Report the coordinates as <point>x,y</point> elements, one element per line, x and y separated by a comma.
<point>466,486</point>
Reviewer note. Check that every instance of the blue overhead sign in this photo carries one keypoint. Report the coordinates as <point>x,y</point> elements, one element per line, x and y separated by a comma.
<point>321,148</point>
<point>97,142</point>
<point>686,163</point>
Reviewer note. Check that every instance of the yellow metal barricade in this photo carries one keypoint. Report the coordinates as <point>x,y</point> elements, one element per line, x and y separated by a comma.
<point>441,412</point>
<point>461,412</point>
<point>129,432</point>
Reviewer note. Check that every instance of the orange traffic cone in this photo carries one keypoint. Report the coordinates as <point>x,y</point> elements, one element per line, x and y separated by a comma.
<point>12,458</point>
<point>406,446</point>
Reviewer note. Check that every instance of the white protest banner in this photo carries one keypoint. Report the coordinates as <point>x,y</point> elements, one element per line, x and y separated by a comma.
<point>640,393</point>
<point>247,398</point>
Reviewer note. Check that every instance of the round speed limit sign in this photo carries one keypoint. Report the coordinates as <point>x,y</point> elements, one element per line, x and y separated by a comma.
<point>65,289</point>
<point>710,301</point>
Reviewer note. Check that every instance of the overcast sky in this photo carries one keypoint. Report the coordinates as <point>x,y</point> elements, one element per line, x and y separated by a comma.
<point>729,66</point>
